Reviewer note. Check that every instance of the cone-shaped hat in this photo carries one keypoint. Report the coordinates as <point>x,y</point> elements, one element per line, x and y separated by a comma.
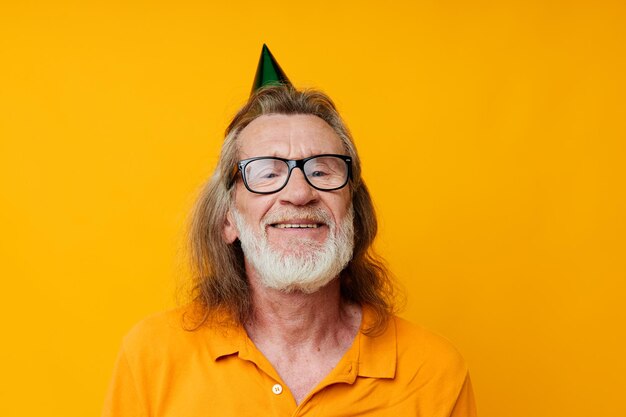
<point>268,72</point>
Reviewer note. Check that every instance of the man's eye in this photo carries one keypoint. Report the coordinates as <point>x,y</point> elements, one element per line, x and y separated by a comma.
<point>266,174</point>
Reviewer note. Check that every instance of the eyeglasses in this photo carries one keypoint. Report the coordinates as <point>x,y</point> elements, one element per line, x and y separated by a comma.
<point>268,174</point>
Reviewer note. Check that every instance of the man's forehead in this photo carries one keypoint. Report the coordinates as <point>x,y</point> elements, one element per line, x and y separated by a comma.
<point>289,136</point>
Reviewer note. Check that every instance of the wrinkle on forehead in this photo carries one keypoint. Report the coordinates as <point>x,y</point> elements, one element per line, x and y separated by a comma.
<point>288,136</point>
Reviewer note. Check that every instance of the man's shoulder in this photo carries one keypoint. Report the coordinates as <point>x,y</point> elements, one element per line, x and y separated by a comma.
<point>156,332</point>
<point>424,347</point>
<point>157,325</point>
<point>168,333</point>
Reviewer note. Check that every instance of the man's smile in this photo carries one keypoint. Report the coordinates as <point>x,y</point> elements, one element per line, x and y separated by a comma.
<point>308,222</point>
<point>296,226</point>
<point>309,226</point>
<point>303,221</point>
<point>307,229</point>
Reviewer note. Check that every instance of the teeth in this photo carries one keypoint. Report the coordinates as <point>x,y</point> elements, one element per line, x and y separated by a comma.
<point>297,226</point>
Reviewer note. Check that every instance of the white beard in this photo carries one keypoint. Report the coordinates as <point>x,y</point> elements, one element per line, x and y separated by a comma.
<point>306,265</point>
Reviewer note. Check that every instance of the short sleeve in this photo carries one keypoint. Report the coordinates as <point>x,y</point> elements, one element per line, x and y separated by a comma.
<point>465,405</point>
<point>123,399</point>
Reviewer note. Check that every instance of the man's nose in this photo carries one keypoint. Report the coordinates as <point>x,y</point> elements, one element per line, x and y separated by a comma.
<point>298,191</point>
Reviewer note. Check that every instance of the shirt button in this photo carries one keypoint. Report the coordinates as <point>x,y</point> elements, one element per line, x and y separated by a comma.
<point>277,389</point>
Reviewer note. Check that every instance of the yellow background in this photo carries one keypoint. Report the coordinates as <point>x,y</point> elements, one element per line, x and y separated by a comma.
<point>492,136</point>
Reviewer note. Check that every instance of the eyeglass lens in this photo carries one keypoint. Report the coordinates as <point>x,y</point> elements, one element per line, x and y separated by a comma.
<point>323,172</point>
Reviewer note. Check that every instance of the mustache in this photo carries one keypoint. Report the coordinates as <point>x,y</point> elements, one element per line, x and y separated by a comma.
<point>313,214</point>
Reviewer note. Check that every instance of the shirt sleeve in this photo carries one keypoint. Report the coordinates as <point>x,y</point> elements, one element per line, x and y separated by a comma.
<point>123,399</point>
<point>465,406</point>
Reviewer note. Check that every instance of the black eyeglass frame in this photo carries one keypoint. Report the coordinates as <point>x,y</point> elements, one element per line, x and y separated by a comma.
<point>291,164</point>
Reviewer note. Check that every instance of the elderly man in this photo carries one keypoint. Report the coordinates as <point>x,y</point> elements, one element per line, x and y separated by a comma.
<point>292,312</point>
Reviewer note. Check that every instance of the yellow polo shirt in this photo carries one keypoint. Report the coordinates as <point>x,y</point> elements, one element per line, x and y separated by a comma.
<point>166,371</point>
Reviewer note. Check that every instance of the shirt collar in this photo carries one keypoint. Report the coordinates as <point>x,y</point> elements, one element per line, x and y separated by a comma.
<point>376,353</point>
<point>227,338</point>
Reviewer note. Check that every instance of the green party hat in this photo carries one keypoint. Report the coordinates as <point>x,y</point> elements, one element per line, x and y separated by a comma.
<point>268,72</point>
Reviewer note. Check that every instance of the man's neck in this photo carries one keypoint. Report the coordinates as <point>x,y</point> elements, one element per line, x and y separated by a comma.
<point>303,336</point>
<point>297,318</point>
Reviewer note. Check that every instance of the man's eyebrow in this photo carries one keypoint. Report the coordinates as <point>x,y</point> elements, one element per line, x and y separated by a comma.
<point>268,152</point>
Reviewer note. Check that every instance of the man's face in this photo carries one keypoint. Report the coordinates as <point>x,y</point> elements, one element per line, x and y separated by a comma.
<point>325,217</point>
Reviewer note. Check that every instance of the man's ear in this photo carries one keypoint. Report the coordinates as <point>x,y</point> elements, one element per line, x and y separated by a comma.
<point>230,231</point>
